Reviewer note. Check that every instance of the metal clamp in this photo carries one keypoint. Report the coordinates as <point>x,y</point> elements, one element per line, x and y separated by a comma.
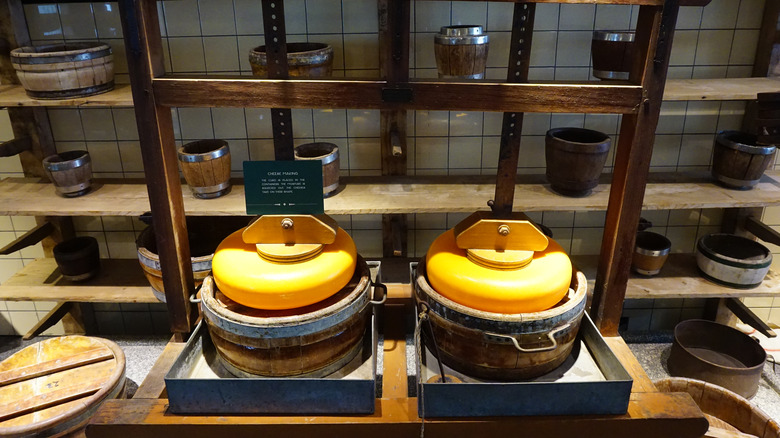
<point>550,336</point>
<point>384,293</point>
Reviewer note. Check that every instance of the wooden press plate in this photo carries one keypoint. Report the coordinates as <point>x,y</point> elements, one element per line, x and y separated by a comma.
<point>52,387</point>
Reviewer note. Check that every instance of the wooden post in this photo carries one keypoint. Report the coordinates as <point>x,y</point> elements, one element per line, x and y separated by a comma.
<point>654,34</point>
<point>155,129</point>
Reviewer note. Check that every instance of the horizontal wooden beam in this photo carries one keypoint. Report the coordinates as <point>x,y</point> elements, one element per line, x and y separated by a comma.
<point>241,91</point>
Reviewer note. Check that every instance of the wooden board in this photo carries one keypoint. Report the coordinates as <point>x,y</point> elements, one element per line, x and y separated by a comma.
<point>719,89</point>
<point>119,281</point>
<point>379,195</point>
<point>14,95</point>
<point>54,386</point>
<point>679,278</point>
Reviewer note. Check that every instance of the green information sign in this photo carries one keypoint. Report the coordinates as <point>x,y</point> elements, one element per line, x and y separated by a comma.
<point>283,187</point>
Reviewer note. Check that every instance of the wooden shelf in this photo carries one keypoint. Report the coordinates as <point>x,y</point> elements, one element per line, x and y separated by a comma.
<point>14,95</point>
<point>680,278</point>
<point>119,281</point>
<point>676,90</point>
<point>380,195</point>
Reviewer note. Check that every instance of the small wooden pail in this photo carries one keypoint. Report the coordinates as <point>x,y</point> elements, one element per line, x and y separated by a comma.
<point>650,252</point>
<point>612,53</point>
<point>59,71</point>
<point>500,346</point>
<point>305,60</point>
<point>206,167</point>
<point>311,341</point>
<point>461,52</point>
<point>78,258</point>
<point>328,153</point>
<point>575,158</point>
<point>70,172</point>
<point>738,160</point>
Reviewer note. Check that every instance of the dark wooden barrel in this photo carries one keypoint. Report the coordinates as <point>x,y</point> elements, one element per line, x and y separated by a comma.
<point>650,252</point>
<point>328,154</point>
<point>308,60</point>
<point>58,71</point>
<point>480,344</point>
<point>612,53</point>
<point>206,167</point>
<point>53,387</point>
<point>311,341</point>
<point>738,161</point>
<point>70,172</point>
<point>461,52</point>
<point>78,258</point>
<point>575,158</point>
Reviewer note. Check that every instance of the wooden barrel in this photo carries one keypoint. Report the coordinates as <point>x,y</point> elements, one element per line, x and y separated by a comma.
<point>650,252</point>
<point>724,409</point>
<point>78,258</point>
<point>305,60</point>
<point>733,261</point>
<point>70,172</point>
<point>738,161</point>
<point>328,154</point>
<point>59,71</point>
<point>461,52</point>
<point>206,167</point>
<point>501,346</point>
<point>612,53</point>
<point>53,387</point>
<point>575,158</point>
<point>311,341</point>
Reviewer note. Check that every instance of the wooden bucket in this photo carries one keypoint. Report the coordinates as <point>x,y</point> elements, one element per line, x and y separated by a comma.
<point>650,253</point>
<point>328,154</point>
<point>738,160</point>
<point>70,172</point>
<point>206,167</point>
<point>724,409</point>
<point>612,53</point>
<point>78,258</point>
<point>53,387</point>
<point>311,341</point>
<point>575,158</point>
<point>59,71</point>
<point>732,261</point>
<point>305,60</point>
<point>203,236</point>
<point>461,52</point>
<point>501,346</point>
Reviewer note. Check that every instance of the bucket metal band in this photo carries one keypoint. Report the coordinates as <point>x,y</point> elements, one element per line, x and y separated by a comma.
<point>616,36</point>
<point>608,74</point>
<point>66,164</point>
<point>474,76</point>
<point>327,159</point>
<point>330,188</point>
<point>755,149</point>
<point>709,255</point>
<point>648,272</point>
<point>331,152</point>
<point>652,252</point>
<point>73,92</point>
<point>734,182</point>
<point>59,56</point>
<point>210,189</point>
<point>195,158</point>
<point>463,30</point>
<point>460,40</point>
<point>74,190</point>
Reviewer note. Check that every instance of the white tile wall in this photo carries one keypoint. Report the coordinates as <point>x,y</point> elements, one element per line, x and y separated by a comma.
<point>212,36</point>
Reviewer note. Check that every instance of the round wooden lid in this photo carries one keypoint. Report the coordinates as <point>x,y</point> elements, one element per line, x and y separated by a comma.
<point>54,386</point>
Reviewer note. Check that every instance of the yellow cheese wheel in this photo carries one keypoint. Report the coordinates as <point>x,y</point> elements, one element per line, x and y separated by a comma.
<point>538,286</point>
<point>247,278</point>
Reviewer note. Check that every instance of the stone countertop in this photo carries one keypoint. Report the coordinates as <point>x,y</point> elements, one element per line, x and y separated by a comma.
<point>653,351</point>
<point>141,352</point>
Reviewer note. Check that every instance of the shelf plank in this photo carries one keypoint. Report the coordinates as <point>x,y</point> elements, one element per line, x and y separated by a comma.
<point>680,278</point>
<point>719,89</point>
<point>392,195</point>
<point>14,95</point>
<point>119,281</point>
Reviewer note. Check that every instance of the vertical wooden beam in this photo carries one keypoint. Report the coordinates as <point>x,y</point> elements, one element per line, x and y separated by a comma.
<point>394,19</point>
<point>654,34</point>
<point>155,130</point>
<point>512,128</point>
<point>767,38</point>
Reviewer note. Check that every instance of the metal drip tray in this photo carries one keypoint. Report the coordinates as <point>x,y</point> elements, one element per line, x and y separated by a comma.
<point>591,381</point>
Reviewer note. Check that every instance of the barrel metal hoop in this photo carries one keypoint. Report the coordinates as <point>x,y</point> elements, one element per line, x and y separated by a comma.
<point>87,56</point>
<point>196,158</point>
<point>474,76</point>
<point>734,182</point>
<point>460,40</point>
<point>211,189</point>
<point>652,252</point>
<point>609,74</point>
<point>614,36</point>
<point>550,335</point>
<point>56,166</point>
<point>74,92</point>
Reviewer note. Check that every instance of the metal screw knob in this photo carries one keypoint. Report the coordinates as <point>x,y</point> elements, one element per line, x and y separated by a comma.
<point>503,230</point>
<point>287,223</point>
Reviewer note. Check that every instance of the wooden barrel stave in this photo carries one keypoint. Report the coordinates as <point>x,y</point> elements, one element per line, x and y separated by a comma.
<point>575,158</point>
